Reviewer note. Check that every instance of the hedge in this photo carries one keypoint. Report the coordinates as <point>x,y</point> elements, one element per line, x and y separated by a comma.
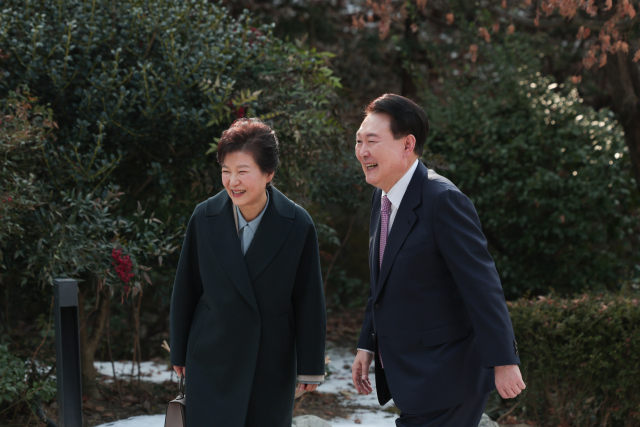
<point>580,359</point>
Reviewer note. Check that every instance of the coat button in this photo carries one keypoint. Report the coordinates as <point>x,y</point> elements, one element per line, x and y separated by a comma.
<point>377,306</point>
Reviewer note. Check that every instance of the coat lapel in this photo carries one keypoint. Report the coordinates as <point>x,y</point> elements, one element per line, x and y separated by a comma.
<point>271,235</point>
<point>402,225</point>
<point>223,237</point>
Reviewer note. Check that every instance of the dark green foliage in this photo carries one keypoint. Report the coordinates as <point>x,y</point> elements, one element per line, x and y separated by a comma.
<point>580,360</point>
<point>51,231</point>
<point>549,176</point>
<point>153,83</point>
<point>13,387</point>
<point>141,89</point>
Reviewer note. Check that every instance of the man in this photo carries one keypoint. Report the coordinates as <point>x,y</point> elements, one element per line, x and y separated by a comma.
<point>436,321</point>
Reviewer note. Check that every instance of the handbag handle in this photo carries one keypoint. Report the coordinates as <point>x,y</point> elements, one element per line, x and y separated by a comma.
<point>181,386</point>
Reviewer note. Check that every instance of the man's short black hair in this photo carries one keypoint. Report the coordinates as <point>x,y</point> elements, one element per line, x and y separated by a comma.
<point>407,118</point>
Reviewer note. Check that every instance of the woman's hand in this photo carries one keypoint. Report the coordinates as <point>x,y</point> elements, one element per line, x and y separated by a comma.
<point>180,370</point>
<point>307,387</point>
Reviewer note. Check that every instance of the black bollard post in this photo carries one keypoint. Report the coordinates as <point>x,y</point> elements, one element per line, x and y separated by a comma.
<point>68,371</point>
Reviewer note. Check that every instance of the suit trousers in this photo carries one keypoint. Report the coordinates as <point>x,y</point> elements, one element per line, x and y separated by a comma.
<point>467,414</point>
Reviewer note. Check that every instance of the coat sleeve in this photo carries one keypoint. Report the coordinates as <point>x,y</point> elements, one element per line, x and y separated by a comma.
<point>187,290</point>
<point>309,309</point>
<point>464,247</point>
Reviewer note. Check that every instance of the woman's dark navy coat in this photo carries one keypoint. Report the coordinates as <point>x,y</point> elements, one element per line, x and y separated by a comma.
<point>244,326</point>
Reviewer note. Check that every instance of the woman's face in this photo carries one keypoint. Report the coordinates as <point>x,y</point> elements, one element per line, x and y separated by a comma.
<point>244,181</point>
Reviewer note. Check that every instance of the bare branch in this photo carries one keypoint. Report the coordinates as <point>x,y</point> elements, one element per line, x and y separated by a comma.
<point>549,24</point>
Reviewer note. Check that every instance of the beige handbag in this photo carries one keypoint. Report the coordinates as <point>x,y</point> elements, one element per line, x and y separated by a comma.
<point>177,409</point>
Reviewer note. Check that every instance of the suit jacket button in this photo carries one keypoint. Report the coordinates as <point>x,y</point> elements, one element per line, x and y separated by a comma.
<point>377,306</point>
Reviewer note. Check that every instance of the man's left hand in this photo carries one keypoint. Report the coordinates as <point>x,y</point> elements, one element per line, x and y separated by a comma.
<point>509,381</point>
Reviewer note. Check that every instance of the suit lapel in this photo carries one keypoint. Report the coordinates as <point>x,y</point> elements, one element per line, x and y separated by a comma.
<point>223,237</point>
<point>402,225</point>
<point>271,235</point>
<point>374,241</point>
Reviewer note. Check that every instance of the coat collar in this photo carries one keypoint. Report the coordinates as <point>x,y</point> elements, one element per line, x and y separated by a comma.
<point>223,235</point>
<point>402,225</point>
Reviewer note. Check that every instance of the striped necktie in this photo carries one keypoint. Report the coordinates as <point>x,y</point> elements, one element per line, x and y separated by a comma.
<point>385,210</point>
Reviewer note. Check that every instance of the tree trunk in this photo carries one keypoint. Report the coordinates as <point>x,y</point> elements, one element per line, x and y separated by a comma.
<point>623,80</point>
<point>406,60</point>
<point>96,321</point>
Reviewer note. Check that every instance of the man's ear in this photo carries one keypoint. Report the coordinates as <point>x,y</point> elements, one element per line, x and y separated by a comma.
<point>409,145</point>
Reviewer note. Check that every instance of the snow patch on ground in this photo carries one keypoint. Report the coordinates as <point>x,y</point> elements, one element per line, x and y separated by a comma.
<point>338,382</point>
<point>141,421</point>
<point>149,371</point>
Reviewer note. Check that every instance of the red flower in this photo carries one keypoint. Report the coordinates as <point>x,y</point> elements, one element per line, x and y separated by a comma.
<point>238,112</point>
<point>123,265</point>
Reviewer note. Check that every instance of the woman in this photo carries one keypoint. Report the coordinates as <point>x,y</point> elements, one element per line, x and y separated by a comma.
<point>248,303</point>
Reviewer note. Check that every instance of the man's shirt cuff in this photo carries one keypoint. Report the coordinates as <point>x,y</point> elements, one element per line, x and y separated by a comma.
<point>364,349</point>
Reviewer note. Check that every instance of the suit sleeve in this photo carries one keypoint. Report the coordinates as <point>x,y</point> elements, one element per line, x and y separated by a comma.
<point>187,290</point>
<point>366,341</point>
<point>464,248</point>
<point>309,310</point>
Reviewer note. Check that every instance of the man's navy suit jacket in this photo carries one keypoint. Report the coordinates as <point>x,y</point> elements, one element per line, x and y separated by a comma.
<point>436,310</point>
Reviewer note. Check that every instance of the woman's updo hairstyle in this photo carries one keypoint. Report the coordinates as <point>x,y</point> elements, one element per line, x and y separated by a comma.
<point>254,137</point>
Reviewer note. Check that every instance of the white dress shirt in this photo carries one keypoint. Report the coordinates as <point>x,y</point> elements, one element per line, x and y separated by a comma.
<point>396,193</point>
<point>395,196</point>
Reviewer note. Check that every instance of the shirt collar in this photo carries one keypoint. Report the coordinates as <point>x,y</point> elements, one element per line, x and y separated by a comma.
<point>396,193</point>
<point>253,225</point>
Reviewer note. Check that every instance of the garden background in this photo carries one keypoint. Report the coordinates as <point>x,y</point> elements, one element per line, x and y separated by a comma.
<point>110,113</point>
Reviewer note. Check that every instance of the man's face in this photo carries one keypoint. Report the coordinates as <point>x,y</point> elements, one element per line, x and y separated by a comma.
<point>382,157</point>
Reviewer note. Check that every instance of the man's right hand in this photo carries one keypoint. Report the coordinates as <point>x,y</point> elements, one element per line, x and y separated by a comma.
<point>360,372</point>
<point>180,370</point>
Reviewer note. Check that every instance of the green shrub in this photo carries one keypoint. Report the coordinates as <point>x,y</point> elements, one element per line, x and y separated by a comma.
<point>580,359</point>
<point>152,83</point>
<point>19,385</point>
<point>141,89</point>
<point>549,176</point>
